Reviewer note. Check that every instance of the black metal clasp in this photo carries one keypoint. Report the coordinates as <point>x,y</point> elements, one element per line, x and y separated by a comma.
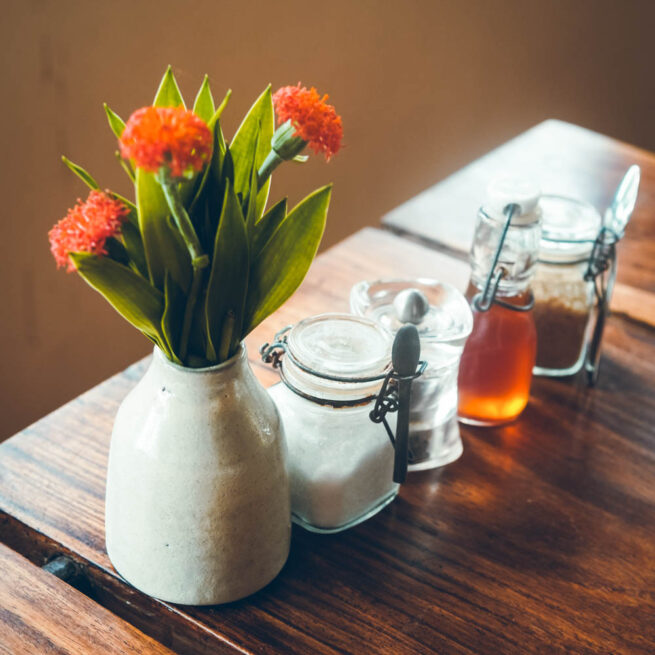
<point>388,402</point>
<point>271,353</point>
<point>601,270</point>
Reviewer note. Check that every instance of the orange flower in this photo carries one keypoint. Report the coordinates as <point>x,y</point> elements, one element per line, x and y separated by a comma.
<point>315,121</point>
<point>173,137</point>
<point>86,228</point>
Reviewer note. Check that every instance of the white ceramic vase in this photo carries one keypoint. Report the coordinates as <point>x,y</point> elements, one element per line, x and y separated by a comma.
<point>197,507</point>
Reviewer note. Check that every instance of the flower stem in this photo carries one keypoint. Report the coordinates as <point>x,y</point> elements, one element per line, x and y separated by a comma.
<point>199,260</point>
<point>272,161</point>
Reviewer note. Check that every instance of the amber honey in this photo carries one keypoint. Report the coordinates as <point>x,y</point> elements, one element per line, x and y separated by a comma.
<point>496,366</point>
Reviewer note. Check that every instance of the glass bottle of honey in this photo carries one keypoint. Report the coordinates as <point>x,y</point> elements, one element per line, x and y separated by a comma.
<point>496,367</point>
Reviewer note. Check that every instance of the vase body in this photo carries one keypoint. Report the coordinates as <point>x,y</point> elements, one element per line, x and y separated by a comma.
<point>197,506</point>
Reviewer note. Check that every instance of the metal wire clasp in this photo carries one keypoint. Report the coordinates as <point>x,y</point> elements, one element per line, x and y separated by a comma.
<point>601,270</point>
<point>271,353</point>
<point>387,401</point>
<point>483,301</point>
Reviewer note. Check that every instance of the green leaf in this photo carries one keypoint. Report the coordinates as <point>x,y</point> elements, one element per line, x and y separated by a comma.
<point>220,172</point>
<point>266,227</point>
<point>81,173</point>
<point>226,160</point>
<point>215,166</point>
<point>219,112</point>
<point>134,246</point>
<point>126,166</point>
<point>228,280</point>
<point>258,123</point>
<point>204,104</point>
<point>286,258</point>
<point>218,151</point>
<point>116,123</point>
<point>163,245</point>
<point>168,94</point>
<point>171,320</point>
<point>132,296</point>
<point>250,208</point>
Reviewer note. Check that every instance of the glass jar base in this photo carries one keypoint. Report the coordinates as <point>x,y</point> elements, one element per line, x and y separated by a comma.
<point>440,445</point>
<point>486,423</point>
<point>352,523</point>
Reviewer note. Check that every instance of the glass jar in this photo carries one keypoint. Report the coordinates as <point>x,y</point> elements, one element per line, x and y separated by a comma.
<point>444,321</point>
<point>496,368</point>
<point>340,462</point>
<point>564,300</point>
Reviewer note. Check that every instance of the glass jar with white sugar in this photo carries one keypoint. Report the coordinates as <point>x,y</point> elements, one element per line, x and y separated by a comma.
<point>340,462</point>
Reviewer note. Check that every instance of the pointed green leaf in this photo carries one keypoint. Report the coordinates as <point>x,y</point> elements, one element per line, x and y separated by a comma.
<point>116,123</point>
<point>168,94</point>
<point>204,104</point>
<point>219,111</point>
<point>81,173</point>
<point>250,208</point>
<point>259,122</point>
<point>286,258</point>
<point>132,296</point>
<point>220,172</point>
<point>227,167</point>
<point>171,320</point>
<point>126,166</point>
<point>199,183</point>
<point>267,226</point>
<point>228,279</point>
<point>162,243</point>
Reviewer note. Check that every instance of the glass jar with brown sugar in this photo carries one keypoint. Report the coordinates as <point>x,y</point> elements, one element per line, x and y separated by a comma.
<point>564,300</point>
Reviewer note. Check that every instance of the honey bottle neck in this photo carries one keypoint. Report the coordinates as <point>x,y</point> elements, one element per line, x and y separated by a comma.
<point>518,256</point>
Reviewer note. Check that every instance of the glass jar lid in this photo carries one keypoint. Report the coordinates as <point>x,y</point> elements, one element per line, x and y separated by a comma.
<point>340,345</point>
<point>445,318</point>
<point>568,229</point>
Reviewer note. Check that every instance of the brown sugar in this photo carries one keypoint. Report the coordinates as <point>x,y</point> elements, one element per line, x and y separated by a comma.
<point>561,314</point>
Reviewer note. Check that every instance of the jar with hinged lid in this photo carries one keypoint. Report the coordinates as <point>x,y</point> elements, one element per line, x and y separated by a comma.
<point>495,373</point>
<point>564,299</point>
<point>341,463</point>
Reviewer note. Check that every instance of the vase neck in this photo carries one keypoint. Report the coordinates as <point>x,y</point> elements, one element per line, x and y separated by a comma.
<point>195,382</point>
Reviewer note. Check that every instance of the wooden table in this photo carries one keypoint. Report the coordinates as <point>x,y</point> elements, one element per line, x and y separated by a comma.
<point>539,539</point>
<point>41,614</point>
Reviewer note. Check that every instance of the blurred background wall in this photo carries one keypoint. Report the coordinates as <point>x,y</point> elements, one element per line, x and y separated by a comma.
<point>424,87</point>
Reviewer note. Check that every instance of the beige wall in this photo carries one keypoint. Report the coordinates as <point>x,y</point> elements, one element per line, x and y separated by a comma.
<point>423,87</point>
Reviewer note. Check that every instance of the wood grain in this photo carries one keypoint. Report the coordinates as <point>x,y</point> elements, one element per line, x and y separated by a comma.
<point>540,539</point>
<point>41,614</point>
<point>564,159</point>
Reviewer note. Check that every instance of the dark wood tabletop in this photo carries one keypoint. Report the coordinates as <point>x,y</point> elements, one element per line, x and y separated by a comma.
<point>41,614</point>
<point>539,539</point>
